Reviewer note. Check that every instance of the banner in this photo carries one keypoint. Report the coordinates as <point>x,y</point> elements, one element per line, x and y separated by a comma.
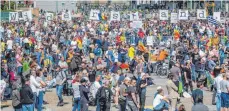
<point>183,15</point>
<point>115,16</point>
<point>216,16</point>
<point>94,15</point>
<point>13,16</point>
<point>149,40</point>
<point>49,16</point>
<point>134,16</point>
<point>174,17</point>
<point>66,16</point>
<point>136,24</point>
<point>201,14</point>
<point>164,14</point>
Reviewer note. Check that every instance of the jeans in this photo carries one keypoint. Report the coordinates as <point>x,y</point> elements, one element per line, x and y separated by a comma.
<point>97,105</point>
<point>142,101</point>
<point>161,106</point>
<point>19,70</point>
<point>76,104</point>
<point>27,107</point>
<point>59,91</point>
<point>122,105</point>
<point>131,106</point>
<point>40,100</point>
<point>35,100</point>
<point>218,101</point>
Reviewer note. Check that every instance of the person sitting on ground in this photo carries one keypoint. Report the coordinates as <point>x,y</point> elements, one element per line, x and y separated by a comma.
<point>160,102</point>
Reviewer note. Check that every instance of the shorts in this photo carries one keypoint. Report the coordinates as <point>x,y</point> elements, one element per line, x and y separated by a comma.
<point>224,100</point>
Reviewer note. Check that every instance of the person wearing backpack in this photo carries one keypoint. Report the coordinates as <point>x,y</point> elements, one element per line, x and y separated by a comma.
<point>60,80</point>
<point>103,96</point>
<point>16,98</point>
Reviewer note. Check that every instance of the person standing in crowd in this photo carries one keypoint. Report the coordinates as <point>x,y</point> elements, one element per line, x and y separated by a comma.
<point>60,80</point>
<point>142,91</point>
<point>16,98</point>
<point>84,91</point>
<point>40,97</point>
<point>217,81</point>
<point>123,93</point>
<point>172,92</point>
<point>132,100</point>
<point>94,89</point>
<point>224,87</point>
<point>34,85</point>
<point>27,96</point>
<point>176,72</point>
<point>197,94</point>
<point>76,93</point>
<point>103,97</point>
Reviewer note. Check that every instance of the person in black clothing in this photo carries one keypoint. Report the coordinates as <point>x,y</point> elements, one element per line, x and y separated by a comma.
<point>27,97</point>
<point>103,95</point>
<point>188,76</point>
<point>84,99</point>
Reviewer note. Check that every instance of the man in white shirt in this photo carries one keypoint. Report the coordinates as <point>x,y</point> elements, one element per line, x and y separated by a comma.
<point>160,102</point>
<point>96,85</point>
<point>217,81</point>
<point>34,84</point>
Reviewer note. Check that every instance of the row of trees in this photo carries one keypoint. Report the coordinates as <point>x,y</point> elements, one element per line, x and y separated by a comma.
<point>13,5</point>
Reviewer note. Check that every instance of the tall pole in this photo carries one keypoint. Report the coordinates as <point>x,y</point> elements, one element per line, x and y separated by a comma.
<point>9,4</point>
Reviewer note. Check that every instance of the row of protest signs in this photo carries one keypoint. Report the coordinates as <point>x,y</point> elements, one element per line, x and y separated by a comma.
<point>116,16</point>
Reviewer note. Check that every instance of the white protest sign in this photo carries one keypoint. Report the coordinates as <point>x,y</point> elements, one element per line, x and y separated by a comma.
<point>94,15</point>
<point>115,16</point>
<point>49,16</point>
<point>134,16</point>
<point>66,16</point>
<point>183,15</point>
<point>149,40</point>
<point>13,16</point>
<point>136,24</point>
<point>164,14</point>
<point>201,14</point>
<point>27,15</point>
<point>174,17</point>
<point>216,15</point>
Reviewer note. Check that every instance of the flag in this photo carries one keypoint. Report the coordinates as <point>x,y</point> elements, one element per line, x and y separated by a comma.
<point>176,34</point>
<point>79,42</point>
<point>141,46</point>
<point>213,21</point>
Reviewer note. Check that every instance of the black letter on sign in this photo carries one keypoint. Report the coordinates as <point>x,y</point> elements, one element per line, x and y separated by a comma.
<point>13,16</point>
<point>115,16</point>
<point>163,14</point>
<point>49,17</point>
<point>182,14</point>
<point>25,16</point>
<point>133,15</point>
<point>94,13</point>
<point>66,15</point>
<point>201,15</point>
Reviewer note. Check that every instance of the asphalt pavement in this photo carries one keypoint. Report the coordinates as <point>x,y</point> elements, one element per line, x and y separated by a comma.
<point>52,99</point>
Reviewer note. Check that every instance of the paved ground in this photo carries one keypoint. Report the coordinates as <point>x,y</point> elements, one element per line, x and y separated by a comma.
<point>52,99</point>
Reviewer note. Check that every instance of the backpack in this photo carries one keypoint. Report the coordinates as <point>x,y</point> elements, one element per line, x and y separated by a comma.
<point>101,95</point>
<point>16,98</point>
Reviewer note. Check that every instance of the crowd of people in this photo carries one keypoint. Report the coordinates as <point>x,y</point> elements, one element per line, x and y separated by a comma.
<point>100,62</point>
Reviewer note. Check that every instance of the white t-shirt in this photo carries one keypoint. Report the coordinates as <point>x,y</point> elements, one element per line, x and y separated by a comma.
<point>9,33</point>
<point>157,100</point>
<point>9,44</point>
<point>95,88</point>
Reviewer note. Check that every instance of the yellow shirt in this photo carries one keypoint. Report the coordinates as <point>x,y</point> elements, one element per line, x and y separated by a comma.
<point>3,45</point>
<point>131,52</point>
